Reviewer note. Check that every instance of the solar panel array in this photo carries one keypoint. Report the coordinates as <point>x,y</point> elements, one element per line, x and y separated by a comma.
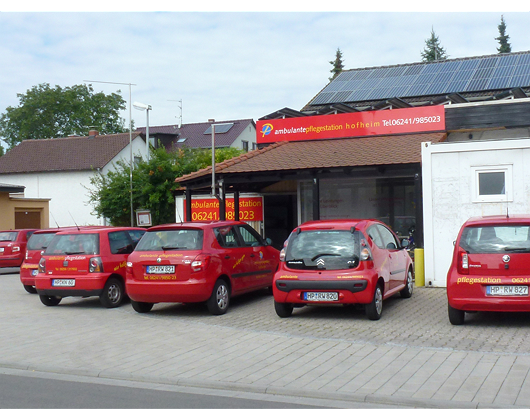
<point>427,79</point>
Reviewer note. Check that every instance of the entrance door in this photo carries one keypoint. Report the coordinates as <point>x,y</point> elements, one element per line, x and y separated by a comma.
<point>280,215</point>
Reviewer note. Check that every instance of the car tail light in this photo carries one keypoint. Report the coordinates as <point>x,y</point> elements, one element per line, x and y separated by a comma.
<point>463,262</point>
<point>42,265</point>
<point>95,265</point>
<point>27,255</point>
<point>282,254</point>
<point>366,254</point>
<point>129,268</point>
<point>201,262</point>
<point>16,248</point>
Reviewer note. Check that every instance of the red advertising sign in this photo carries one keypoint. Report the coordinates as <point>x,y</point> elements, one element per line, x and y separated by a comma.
<point>207,209</point>
<point>355,124</point>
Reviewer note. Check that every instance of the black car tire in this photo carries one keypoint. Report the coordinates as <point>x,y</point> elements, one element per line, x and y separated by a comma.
<point>30,289</point>
<point>50,300</point>
<point>112,295</point>
<point>456,316</point>
<point>142,307</point>
<point>375,308</point>
<point>220,299</point>
<point>409,287</point>
<point>283,310</point>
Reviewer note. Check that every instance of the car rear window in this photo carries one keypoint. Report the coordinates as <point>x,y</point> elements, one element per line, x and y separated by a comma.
<point>40,241</point>
<point>496,239</point>
<point>8,236</point>
<point>338,248</point>
<point>164,240</point>
<point>74,244</point>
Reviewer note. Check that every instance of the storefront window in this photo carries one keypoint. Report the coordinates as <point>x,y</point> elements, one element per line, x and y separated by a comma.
<point>386,200</point>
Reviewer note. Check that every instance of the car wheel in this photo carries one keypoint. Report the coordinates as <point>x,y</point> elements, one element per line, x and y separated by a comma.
<point>30,289</point>
<point>220,299</point>
<point>375,308</point>
<point>409,287</point>
<point>141,307</point>
<point>112,294</point>
<point>456,316</point>
<point>283,310</point>
<point>50,300</point>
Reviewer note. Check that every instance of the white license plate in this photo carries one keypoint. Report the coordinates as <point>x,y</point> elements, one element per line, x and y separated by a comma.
<point>507,290</point>
<point>160,269</point>
<point>63,282</point>
<point>321,296</point>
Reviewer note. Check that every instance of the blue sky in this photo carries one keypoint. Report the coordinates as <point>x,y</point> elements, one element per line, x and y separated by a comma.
<point>227,65</point>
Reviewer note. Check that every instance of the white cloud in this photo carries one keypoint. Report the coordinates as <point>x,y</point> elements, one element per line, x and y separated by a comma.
<point>226,65</point>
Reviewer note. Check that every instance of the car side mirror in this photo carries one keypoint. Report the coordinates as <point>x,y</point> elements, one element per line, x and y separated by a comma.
<point>405,243</point>
<point>391,246</point>
<point>268,242</point>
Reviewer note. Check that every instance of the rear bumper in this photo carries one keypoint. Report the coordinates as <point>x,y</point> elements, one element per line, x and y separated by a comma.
<point>349,291</point>
<point>86,285</point>
<point>152,291</point>
<point>492,304</point>
<point>10,261</point>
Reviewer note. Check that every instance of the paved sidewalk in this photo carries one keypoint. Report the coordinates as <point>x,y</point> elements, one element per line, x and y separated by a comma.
<point>411,357</point>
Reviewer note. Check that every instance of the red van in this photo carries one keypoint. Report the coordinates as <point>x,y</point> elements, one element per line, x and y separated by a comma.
<point>13,246</point>
<point>86,262</point>
<point>199,262</point>
<point>490,270</point>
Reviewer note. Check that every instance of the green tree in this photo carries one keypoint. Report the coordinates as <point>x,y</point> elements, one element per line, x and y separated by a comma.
<point>153,183</point>
<point>505,46</point>
<point>46,112</point>
<point>433,51</point>
<point>337,65</point>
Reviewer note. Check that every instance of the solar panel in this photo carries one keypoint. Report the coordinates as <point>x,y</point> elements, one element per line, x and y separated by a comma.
<point>497,72</point>
<point>219,128</point>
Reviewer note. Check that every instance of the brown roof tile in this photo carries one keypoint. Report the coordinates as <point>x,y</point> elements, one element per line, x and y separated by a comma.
<point>65,154</point>
<point>297,155</point>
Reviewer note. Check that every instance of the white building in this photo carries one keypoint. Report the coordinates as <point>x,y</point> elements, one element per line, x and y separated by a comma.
<point>60,170</point>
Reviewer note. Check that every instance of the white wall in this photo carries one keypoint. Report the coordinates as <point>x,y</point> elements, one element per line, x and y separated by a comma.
<point>448,193</point>
<point>248,134</point>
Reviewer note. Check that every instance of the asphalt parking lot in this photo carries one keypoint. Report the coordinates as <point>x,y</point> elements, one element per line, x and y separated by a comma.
<point>412,356</point>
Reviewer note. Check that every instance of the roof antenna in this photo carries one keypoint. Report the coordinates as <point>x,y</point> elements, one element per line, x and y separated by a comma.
<point>73,220</point>
<point>51,214</point>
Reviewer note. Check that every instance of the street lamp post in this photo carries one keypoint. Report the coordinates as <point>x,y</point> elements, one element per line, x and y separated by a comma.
<point>140,106</point>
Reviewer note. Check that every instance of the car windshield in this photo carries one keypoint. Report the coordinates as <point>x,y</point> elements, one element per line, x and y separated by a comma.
<point>496,239</point>
<point>165,240</point>
<point>40,241</point>
<point>74,244</point>
<point>8,236</point>
<point>323,250</point>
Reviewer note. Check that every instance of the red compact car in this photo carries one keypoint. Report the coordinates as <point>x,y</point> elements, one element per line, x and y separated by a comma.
<point>37,244</point>
<point>342,262</point>
<point>490,270</point>
<point>13,246</point>
<point>86,262</point>
<point>199,262</point>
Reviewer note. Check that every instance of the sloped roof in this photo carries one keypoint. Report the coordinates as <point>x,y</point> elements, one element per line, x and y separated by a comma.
<point>64,154</point>
<point>321,154</point>
<point>194,133</point>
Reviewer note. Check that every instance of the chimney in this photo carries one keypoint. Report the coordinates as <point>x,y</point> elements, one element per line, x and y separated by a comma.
<point>93,133</point>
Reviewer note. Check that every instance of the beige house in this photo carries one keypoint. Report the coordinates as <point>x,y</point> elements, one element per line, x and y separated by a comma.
<point>18,212</point>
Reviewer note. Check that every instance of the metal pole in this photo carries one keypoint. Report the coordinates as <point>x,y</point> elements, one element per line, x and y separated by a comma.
<point>213,160</point>
<point>131,154</point>
<point>147,136</point>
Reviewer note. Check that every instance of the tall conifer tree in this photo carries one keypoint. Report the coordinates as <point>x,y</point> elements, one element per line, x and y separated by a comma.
<point>337,65</point>
<point>505,46</point>
<point>433,51</point>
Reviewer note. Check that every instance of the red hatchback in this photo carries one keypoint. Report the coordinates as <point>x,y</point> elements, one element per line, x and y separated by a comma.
<point>199,262</point>
<point>13,246</point>
<point>86,262</point>
<point>342,262</point>
<point>490,270</point>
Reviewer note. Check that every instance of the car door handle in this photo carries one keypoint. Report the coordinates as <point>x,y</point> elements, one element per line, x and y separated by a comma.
<point>251,255</point>
<point>227,257</point>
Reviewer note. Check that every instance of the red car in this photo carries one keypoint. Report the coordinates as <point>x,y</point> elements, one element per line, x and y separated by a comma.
<point>37,244</point>
<point>86,262</point>
<point>342,262</point>
<point>13,246</point>
<point>199,262</point>
<point>490,270</point>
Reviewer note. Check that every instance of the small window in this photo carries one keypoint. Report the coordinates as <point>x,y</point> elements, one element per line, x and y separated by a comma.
<point>226,236</point>
<point>244,145</point>
<point>492,184</point>
<point>120,242</point>
<point>249,236</point>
